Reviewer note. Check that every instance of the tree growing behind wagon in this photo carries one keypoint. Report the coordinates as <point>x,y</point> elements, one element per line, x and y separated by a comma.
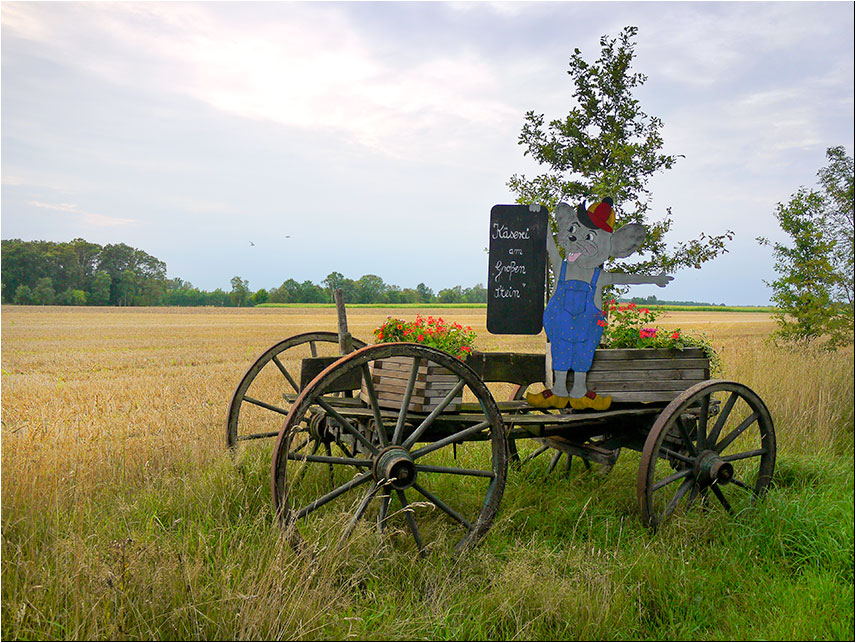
<point>814,291</point>
<point>608,146</point>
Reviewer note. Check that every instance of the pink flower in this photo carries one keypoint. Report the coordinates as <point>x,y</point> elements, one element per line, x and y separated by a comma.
<point>645,333</point>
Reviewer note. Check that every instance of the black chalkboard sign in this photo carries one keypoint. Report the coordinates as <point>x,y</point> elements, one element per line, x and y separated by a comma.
<point>517,269</point>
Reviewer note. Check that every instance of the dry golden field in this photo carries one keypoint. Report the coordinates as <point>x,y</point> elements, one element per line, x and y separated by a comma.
<point>89,394</point>
<point>99,404</point>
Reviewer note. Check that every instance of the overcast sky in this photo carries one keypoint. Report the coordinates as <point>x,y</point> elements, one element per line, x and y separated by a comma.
<point>375,137</point>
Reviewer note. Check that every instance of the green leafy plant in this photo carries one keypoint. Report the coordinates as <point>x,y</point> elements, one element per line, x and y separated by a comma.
<point>632,326</point>
<point>453,338</point>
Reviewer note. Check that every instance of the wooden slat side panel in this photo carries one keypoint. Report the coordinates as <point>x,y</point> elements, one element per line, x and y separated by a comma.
<point>650,364</point>
<point>514,368</point>
<point>687,375</point>
<point>612,354</point>
<point>651,385</point>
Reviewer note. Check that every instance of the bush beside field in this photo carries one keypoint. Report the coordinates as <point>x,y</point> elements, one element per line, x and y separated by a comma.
<point>124,518</point>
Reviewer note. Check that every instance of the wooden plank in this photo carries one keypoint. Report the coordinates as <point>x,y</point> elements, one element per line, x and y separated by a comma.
<point>697,374</point>
<point>610,387</point>
<point>385,387</point>
<point>649,364</point>
<point>516,368</point>
<point>644,396</point>
<point>610,354</point>
<point>310,367</point>
<point>405,364</point>
<point>420,377</point>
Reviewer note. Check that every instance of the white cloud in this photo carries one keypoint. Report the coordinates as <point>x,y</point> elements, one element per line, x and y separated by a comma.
<point>89,218</point>
<point>310,70</point>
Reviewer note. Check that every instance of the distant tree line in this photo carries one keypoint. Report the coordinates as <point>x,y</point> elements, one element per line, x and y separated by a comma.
<point>653,301</point>
<point>80,273</point>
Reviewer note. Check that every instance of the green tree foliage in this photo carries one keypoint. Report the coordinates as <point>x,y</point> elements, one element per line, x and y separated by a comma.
<point>101,283</point>
<point>80,273</point>
<point>261,296</point>
<point>23,295</point>
<point>608,146</point>
<point>814,291</point>
<point>240,294</point>
<point>44,293</point>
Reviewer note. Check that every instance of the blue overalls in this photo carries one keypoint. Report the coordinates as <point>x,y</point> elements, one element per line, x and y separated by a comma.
<point>571,322</point>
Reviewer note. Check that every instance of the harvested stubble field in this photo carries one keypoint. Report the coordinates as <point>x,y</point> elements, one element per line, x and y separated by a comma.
<point>124,517</point>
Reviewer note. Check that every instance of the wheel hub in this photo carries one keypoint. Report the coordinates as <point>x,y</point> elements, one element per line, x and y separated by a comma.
<point>394,466</point>
<point>710,468</point>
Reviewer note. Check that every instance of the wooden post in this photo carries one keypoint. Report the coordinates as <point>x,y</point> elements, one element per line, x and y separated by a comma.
<point>345,344</point>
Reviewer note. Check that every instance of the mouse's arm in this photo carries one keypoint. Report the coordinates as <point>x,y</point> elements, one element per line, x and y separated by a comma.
<point>555,258</point>
<point>620,278</point>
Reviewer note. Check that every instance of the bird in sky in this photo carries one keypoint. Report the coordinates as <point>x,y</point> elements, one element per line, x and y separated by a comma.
<point>251,243</point>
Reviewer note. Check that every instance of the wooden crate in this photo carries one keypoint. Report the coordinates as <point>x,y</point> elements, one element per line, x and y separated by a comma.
<point>433,383</point>
<point>646,374</point>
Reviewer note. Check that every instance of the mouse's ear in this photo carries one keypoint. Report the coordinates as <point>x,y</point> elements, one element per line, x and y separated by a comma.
<point>627,240</point>
<point>565,216</point>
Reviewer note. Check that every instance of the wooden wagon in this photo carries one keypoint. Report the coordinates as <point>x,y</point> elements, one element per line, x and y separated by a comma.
<point>413,440</point>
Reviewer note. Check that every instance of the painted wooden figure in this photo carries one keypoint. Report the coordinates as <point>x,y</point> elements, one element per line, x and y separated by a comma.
<point>574,318</point>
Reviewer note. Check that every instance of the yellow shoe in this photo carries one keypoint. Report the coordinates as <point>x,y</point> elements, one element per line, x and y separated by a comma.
<point>590,400</point>
<point>546,399</point>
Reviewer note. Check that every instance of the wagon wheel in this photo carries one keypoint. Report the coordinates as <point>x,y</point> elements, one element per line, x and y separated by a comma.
<point>410,478</point>
<point>265,394</point>
<point>715,439</point>
<point>555,454</point>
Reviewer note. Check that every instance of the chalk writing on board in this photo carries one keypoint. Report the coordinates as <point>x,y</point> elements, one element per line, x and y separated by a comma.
<point>516,270</point>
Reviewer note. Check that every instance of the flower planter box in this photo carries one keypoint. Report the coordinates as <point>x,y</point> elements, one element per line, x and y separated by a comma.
<point>433,383</point>
<point>646,374</point>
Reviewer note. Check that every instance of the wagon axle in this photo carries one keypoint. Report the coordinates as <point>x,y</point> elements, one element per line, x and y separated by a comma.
<point>394,466</point>
<point>710,468</point>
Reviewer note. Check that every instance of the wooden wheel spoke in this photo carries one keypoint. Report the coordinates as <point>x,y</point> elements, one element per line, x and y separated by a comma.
<point>313,348</point>
<point>736,433</point>
<point>361,509</point>
<point>417,433</point>
<point>675,454</point>
<point>536,453</point>
<point>455,437</point>
<point>265,405</point>
<point>704,410</point>
<point>554,461</point>
<point>367,380</point>
<point>257,436</point>
<point>744,455</point>
<point>443,506</point>
<point>405,401</point>
<point>670,479</point>
<point>694,493</point>
<point>721,497</point>
<point>350,428</point>
<point>427,468</point>
<point>294,385</point>
<point>685,434</point>
<point>303,446</point>
<point>384,508</point>
<point>338,491</point>
<point>676,499</point>
<point>742,485</point>
<point>328,459</point>
<point>723,418</point>
<point>411,520</point>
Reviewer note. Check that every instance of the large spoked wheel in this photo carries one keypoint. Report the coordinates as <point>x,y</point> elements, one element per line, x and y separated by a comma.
<point>713,444</point>
<point>556,448</point>
<point>265,394</point>
<point>425,477</point>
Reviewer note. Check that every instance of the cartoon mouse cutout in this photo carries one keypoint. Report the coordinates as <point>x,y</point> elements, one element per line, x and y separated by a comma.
<point>574,319</point>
